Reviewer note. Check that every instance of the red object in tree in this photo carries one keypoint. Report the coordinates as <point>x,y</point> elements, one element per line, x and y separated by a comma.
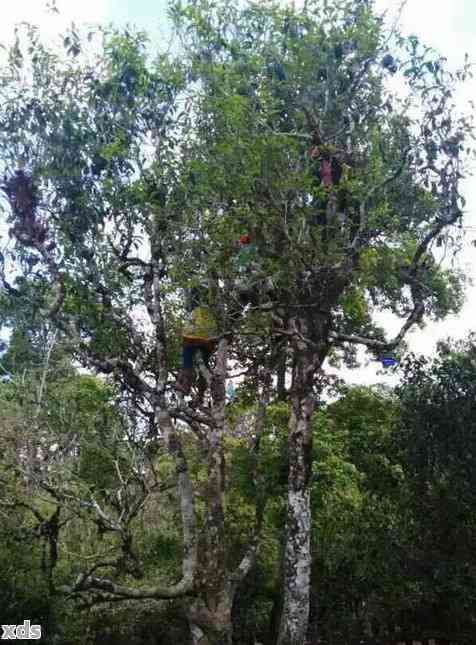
<point>245,239</point>
<point>326,173</point>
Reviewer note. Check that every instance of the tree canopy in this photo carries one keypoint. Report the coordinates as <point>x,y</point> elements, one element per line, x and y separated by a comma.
<point>265,166</point>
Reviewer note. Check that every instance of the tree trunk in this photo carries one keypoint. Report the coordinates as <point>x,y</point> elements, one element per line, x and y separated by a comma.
<point>211,626</point>
<point>313,628</point>
<point>281,374</point>
<point>244,614</point>
<point>297,557</point>
<point>210,614</point>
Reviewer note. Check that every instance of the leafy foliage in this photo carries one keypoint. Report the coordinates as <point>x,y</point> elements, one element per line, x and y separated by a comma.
<point>129,183</point>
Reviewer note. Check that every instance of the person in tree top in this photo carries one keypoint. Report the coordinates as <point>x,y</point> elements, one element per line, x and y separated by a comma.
<point>247,253</point>
<point>246,260</point>
<point>251,283</point>
<point>331,169</point>
<point>330,164</point>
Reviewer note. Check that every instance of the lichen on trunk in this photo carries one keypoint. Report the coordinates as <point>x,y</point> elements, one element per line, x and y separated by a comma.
<point>297,556</point>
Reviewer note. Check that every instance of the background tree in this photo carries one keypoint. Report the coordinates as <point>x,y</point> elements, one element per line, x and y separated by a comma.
<point>435,441</point>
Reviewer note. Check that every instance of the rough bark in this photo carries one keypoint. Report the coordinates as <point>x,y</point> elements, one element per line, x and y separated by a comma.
<point>211,626</point>
<point>309,345</point>
<point>297,555</point>
<point>209,614</point>
<point>214,565</point>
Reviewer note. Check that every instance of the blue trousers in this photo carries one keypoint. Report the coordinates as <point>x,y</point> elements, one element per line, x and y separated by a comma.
<point>188,355</point>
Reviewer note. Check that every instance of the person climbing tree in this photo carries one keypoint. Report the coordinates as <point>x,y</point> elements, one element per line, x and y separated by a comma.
<point>245,263</point>
<point>200,334</point>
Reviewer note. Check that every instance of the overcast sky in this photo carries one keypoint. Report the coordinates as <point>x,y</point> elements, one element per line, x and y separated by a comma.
<point>447,25</point>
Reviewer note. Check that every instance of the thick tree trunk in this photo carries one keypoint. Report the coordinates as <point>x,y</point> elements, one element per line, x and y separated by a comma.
<point>211,626</point>
<point>297,556</point>
<point>244,615</point>
<point>210,614</point>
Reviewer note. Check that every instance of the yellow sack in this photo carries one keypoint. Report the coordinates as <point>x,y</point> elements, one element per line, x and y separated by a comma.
<point>202,325</point>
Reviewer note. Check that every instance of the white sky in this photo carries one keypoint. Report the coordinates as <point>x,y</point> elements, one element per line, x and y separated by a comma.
<point>35,12</point>
<point>447,25</point>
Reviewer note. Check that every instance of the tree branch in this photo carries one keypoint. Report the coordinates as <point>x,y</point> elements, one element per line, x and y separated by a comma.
<point>360,237</point>
<point>108,365</point>
<point>86,583</point>
<point>374,343</point>
<point>249,558</point>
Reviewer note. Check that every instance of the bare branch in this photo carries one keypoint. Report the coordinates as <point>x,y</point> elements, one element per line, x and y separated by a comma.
<point>118,365</point>
<point>86,583</point>
<point>188,415</point>
<point>374,343</point>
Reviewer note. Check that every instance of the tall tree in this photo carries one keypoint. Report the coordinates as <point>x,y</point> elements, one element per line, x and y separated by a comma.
<point>136,180</point>
<point>346,187</point>
<point>435,441</point>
